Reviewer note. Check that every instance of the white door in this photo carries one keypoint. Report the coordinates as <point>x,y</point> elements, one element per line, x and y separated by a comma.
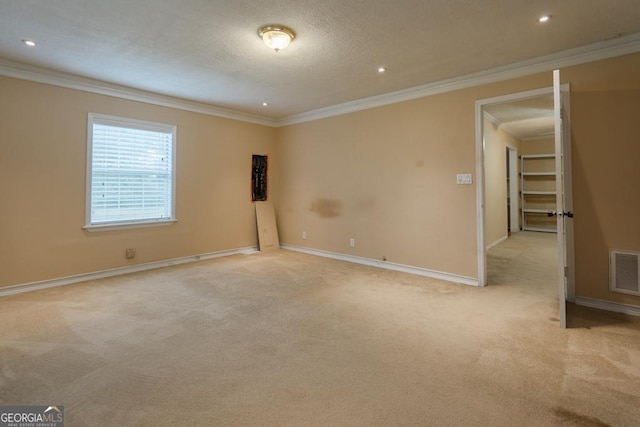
<point>564,199</point>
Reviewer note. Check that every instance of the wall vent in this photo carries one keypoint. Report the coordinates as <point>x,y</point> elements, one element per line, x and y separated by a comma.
<point>624,272</point>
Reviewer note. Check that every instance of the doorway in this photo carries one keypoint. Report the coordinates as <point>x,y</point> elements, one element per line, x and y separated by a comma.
<point>519,167</point>
<point>511,115</point>
<point>511,127</point>
<point>512,131</point>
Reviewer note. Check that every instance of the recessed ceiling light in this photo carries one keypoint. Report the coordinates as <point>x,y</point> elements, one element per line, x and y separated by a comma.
<point>29,43</point>
<point>544,18</point>
<point>265,104</point>
<point>381,69</point>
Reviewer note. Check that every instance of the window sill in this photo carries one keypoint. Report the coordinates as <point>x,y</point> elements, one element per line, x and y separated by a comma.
<point>127,225</point>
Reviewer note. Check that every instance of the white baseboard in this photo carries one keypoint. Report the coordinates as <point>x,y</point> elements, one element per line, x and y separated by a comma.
<point>62,281</point>
<point>633,310</point>
<point>386,265</point>
<point>497,242</point>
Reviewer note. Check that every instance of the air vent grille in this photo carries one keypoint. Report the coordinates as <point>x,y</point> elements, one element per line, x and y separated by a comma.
<point>624,272</point>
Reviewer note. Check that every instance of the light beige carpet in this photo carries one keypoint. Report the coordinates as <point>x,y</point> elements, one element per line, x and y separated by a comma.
<point>283,338</point>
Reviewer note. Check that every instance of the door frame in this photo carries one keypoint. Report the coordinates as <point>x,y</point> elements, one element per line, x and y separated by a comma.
<point>480,173</point>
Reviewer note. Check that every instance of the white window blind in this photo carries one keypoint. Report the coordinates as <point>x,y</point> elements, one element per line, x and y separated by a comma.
<point>130,171</point>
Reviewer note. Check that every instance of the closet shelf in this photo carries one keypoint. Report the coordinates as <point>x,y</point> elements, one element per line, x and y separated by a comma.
<point>538,195</point>
<point>538,211</point>
<point>539,173</point>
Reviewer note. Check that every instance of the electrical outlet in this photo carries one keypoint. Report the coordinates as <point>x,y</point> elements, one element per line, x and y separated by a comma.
<point>304,235</point>
<point>130,253</point>
<point>464,178</point>
<point>352,242</point>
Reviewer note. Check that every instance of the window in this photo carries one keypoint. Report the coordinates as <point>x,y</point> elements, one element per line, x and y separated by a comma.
<point>130,172</point>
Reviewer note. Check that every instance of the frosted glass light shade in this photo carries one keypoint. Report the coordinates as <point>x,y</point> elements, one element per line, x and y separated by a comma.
<point>277,37</point>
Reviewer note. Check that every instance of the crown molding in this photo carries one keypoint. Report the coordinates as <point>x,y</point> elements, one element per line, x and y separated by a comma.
<point>502,125</point>
<point>492,118</point>
<point>55,78</point>
<point>593,52</point>
<point>540,137</point>
<point>581,55</point>
<point>508,129</point>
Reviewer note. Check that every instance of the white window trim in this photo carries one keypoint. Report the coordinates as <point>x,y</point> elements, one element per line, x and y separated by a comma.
<point>138,124</point>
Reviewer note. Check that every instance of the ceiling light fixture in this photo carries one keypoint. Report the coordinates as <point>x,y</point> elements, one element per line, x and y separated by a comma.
<point>29,43</point>
<point>276,36</point>
<point>544,18</point>
<point>265,104</point>
<point>381,69</point>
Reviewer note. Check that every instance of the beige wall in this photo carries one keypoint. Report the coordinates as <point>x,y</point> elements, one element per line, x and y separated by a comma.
<point>496,141</point>
<point>384,176</point>
<point>605,118</point>
<point>387,177</point>
<point>537,146</point>
<point>42,182</point>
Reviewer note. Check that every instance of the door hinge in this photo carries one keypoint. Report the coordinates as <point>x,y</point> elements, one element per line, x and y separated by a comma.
<point>566,271</point>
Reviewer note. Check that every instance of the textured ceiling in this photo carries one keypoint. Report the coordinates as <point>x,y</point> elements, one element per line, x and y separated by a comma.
<point>526,118</point>
<point>209,51</point>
